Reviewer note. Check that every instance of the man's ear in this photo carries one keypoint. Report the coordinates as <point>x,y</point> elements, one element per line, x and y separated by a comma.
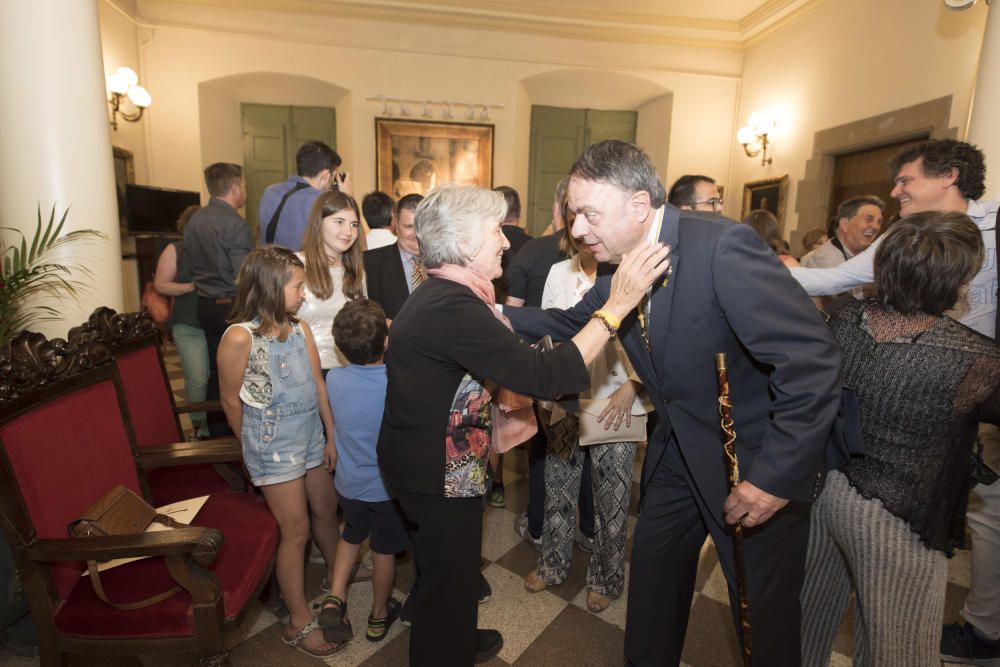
<point>842,223</point>
<point>640,205</point>
<point>952,176</point>
<point>325,177</point>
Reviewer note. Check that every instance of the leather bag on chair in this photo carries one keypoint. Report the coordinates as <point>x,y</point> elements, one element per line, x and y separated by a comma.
<point>118,512</point>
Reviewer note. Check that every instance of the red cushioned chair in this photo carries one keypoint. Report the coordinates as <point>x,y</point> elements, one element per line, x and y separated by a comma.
<point>134,342</point>
<point>65,440</point>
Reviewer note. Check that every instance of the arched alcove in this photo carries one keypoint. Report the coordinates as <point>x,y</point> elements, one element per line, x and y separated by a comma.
<point>596,89</point>
<point>219,108</point>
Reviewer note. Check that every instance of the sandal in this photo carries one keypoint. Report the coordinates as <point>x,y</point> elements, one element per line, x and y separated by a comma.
<point>378,628</point>
<point>333,620</point>
<point>596,602</point>
<point>534,583</point>
<point>324,585</point>
<point>297,641</point>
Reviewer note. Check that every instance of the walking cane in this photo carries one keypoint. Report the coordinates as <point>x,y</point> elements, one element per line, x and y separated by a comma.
<point>733,474</point>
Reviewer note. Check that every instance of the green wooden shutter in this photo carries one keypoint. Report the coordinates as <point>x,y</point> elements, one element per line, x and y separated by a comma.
<point>603,125</point>
<point>558,136</point>
<point>272,135</point>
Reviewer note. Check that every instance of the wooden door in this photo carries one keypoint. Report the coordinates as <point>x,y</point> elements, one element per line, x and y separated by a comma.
<point>866,172</point>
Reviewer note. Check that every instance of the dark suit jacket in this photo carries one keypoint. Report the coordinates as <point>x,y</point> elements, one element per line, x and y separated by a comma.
<point>729,293</point>
<point>385,279</point>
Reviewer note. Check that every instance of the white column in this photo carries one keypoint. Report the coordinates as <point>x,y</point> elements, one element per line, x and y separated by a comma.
<point>56,147</point>
<point>983,127</point>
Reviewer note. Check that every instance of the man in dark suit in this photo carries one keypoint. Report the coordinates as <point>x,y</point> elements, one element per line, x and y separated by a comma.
<point>393,271</point>
<point>725,292</point>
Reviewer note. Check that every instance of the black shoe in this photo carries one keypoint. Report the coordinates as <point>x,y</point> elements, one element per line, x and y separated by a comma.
<point>484,589</point>
<point>488,644</point>
<point>406,613</point>
<point>960,643</point>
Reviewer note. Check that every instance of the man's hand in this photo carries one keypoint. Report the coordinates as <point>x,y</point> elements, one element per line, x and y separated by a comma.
<point>345,184</point>
<point>754,506</point>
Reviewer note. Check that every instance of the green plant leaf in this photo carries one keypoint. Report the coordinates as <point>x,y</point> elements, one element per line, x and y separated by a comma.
<point>27,275</point>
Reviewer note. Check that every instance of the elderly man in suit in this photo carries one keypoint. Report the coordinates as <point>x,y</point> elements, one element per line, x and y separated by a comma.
<point>394,271</point>
<point>725,292</point>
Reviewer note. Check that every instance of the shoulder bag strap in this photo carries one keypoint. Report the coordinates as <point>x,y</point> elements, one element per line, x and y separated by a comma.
<point>272,226</point>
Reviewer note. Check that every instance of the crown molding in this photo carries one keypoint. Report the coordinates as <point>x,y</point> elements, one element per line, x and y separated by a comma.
<point>531,18</point>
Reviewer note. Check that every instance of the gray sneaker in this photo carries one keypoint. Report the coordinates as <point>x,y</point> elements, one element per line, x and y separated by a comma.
<point>521,528</point>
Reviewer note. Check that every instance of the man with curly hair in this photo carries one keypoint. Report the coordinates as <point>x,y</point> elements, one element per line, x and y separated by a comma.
<point>935,175</point>
<point>949,175</point>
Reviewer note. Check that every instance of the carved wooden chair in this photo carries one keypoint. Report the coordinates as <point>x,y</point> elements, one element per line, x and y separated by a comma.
<point>133,340</point>
<point>66,438</point>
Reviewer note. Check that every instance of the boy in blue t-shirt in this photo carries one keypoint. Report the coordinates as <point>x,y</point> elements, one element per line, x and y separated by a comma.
<point>357,396</point>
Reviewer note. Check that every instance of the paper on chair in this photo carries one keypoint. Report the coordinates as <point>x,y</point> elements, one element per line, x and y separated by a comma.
<point>183,511</point>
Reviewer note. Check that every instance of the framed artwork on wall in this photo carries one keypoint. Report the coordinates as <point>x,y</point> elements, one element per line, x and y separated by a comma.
<point>769,194</point>
<point>414,156</point>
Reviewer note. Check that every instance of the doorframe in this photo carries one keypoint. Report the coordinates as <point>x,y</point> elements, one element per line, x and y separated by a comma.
<point>816,187</point>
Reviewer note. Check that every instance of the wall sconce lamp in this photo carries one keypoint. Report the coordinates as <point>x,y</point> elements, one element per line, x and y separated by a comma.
<point>754,136</point>
<point>125,83</point>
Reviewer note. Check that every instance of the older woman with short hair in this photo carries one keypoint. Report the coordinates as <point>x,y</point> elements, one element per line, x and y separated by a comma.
<point>449,351</point>
<point>884,524</point>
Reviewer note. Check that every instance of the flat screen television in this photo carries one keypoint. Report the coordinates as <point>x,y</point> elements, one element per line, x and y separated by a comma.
<point>150,210</point>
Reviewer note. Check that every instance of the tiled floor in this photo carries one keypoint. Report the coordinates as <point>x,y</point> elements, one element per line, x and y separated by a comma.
<point>548,628</point>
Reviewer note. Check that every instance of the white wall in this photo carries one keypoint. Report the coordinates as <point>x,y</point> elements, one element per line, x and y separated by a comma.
<point>849,60</point>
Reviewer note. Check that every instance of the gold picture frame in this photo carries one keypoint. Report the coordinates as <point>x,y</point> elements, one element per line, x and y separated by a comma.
<point>770,194</point>
<point>414,156</point>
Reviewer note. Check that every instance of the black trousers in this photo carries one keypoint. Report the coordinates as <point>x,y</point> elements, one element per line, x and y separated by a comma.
<point>673,523</point>
<point>212,317</point>
<point>447,542</point>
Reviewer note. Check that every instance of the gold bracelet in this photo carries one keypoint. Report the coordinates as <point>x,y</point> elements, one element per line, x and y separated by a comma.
<point>606,320</point>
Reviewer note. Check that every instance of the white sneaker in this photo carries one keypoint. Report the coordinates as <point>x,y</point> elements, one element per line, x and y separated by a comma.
<point>521,528</point>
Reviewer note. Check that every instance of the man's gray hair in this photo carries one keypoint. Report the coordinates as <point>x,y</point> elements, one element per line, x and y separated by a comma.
<point>623,165</point>
<point>454,214</point>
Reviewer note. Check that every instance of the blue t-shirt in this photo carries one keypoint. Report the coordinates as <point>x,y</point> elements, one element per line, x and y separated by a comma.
<point>357,397</point>
<point>294,216</point>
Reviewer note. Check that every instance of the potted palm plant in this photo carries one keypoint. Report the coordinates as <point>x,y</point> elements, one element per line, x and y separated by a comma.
<point>28,271</point>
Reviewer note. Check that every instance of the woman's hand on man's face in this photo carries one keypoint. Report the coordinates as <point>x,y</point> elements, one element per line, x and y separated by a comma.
<point>638,270</point>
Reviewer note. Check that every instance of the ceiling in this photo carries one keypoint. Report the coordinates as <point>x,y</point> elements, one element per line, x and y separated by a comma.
<point>643,21</point>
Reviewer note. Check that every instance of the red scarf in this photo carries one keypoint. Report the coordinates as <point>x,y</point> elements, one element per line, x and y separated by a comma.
<point>513,417</point>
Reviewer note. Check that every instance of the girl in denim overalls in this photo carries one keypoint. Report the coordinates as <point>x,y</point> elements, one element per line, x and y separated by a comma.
<point>273,395</point>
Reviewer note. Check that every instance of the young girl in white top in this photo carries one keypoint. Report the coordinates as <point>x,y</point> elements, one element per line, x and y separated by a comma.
<point>332,250</point>
<point>274,398</point>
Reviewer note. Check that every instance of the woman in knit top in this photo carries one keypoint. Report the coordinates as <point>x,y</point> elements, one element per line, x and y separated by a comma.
<point>884,525</point>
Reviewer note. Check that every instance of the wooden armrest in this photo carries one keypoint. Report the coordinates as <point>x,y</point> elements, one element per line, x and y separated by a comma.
<point>202,543</point>
<point>204,406</point>
<point>217,450</point>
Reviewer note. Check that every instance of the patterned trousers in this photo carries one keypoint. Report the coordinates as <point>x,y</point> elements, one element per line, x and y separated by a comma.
<point>611,467</point>
<point>855,543</point>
